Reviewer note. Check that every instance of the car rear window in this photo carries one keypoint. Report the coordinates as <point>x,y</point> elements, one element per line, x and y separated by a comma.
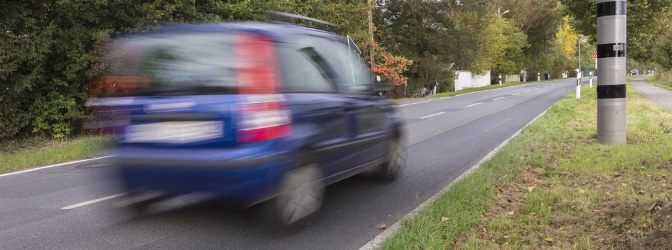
<point>188,60</point>
<point>170,64</point>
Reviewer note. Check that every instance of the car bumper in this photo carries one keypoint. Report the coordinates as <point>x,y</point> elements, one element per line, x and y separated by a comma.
<point>242,179</point>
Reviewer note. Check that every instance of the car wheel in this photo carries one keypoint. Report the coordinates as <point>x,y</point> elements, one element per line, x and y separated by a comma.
<point>395,159</point>
<point>302,191</point>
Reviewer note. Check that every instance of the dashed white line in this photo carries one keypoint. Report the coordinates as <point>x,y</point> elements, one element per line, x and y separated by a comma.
<point>498,98</point>
<point>473,104</point>
<point>514,94</point>
<point>425,117</point>
<point>527,90</point>
<point>81,204</point>
<point>413,103</point>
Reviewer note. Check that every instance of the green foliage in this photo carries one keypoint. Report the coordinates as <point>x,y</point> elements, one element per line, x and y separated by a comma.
<point>663,49</point>
<point>502,44</point>
<point>50,46</point>
<point>25,42</point>
<point>473,35</point>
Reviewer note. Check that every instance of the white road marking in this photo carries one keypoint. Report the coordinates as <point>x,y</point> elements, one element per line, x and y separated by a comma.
<point>55,165</point>
<point>514,94</point>
<point>527,90</point>
<point>473,104</point>
<point>413,103</point>
<point>498,98</point>
<point>432,115</point>
<point>81,204</point>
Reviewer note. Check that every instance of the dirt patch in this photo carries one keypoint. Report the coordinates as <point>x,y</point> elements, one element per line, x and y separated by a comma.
<point>624,217</point>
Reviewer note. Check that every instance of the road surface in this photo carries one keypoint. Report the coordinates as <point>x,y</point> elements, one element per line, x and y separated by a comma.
<point>71,206</point>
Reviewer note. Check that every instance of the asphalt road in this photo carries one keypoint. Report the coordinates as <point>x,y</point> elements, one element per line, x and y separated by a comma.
<point>71,206</point>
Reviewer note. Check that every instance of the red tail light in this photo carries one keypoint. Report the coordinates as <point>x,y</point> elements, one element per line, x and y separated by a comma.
<point>264,119</point>
<point>256,69</point>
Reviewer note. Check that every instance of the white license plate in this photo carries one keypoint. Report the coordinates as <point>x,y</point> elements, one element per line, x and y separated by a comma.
<point>174,131</point>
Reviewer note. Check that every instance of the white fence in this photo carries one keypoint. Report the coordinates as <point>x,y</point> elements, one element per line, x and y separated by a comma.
<point>466,79</point>
<point>512,78</point>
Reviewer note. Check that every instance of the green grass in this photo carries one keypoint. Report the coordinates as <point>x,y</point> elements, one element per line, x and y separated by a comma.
<point>664,81</point>
<point>555,186</point>
<point>23,154</point>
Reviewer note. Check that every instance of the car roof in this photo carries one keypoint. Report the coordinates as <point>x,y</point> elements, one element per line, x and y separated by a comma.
<point>278,31</point>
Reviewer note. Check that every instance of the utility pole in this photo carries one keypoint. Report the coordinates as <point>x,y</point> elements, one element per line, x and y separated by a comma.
<point>611,55</point>
<point>371,33</point>
<point>579,73</point>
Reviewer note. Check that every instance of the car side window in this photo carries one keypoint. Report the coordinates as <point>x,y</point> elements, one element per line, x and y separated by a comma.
<point>351,74</point>
<point>303,70</point>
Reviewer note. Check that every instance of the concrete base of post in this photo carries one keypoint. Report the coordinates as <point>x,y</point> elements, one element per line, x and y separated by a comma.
<point>611,121</point>
<point>578,88</point>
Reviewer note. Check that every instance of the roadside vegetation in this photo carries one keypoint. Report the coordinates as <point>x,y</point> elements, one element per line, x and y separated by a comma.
<point>555,186</point>
<point>663,80</point>
<point>22,154</point>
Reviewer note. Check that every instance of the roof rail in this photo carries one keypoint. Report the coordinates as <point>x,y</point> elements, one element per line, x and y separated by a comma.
<point>277,15</point>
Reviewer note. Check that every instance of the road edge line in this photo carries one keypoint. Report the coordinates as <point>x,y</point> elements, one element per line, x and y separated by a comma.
<point>54,165</point>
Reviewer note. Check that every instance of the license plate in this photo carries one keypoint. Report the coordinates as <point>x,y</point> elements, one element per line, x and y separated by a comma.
<point>174,131</point>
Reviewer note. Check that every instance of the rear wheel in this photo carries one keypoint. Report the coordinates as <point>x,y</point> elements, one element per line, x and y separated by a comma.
<point>301,195</point>
<point>395,159</point>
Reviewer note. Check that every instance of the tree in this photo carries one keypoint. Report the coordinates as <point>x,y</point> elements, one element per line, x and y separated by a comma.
<point>25,41</point>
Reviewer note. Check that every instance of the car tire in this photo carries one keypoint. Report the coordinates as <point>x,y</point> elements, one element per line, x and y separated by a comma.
<point>395,160</point>
<point>301,194</point>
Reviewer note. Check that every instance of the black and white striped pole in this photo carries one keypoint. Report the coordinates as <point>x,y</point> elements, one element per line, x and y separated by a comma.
<point>611,54</point>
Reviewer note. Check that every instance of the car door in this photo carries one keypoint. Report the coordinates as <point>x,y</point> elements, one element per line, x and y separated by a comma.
<point>366,112</point>
<point>319,110</point>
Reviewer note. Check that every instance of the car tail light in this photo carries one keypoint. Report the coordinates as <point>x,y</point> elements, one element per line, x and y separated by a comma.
<point>255,64</point>
<point>264,119</point>
<point>263,114</point>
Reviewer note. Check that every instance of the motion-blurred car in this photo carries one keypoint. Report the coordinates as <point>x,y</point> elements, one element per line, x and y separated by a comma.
<point>254,112</point>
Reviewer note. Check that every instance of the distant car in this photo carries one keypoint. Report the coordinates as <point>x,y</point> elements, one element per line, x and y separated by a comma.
<point>254,112</point>
<point>634,72</point>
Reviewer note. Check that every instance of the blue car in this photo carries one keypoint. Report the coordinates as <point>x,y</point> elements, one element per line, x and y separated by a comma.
<point>254,112</point>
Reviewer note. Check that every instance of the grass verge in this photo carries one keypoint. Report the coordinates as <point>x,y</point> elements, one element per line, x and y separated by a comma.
<point>663,82</point>
<point>22,154</point>
<point>555,186</point>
